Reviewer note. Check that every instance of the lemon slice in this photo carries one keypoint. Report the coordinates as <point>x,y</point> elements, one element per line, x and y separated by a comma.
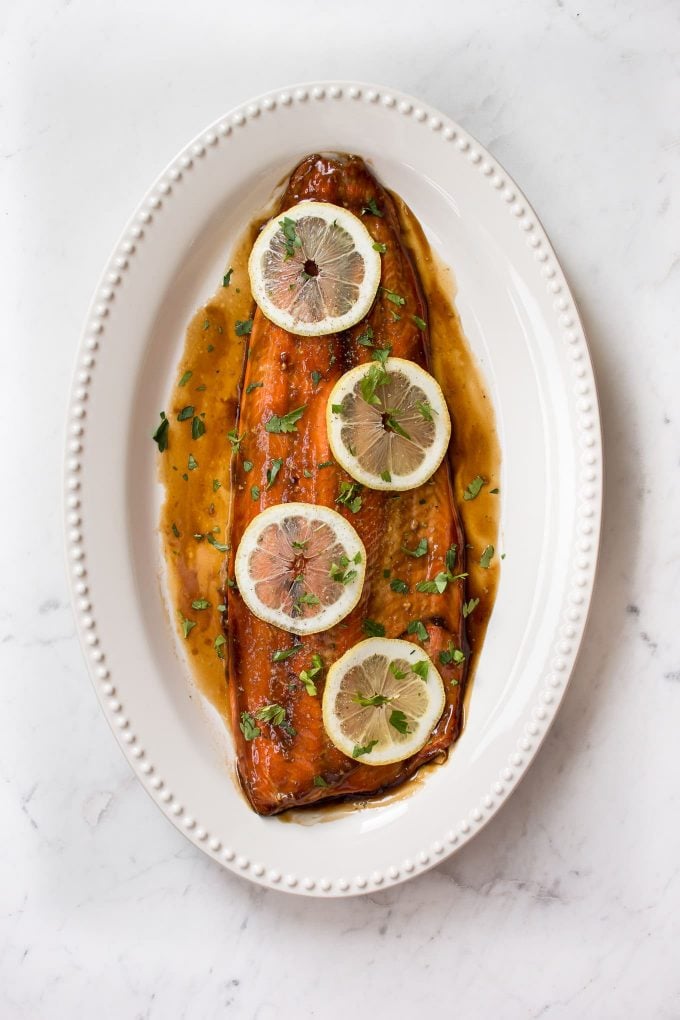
<point>382,700</point>
<point>300,567</point>
<point>313,269</point>
<point>388,424</point>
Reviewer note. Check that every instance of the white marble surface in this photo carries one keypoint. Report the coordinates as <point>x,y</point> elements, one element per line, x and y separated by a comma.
<point>567,904</point>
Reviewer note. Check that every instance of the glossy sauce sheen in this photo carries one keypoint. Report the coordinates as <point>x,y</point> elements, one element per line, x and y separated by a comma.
<point>277,770</point>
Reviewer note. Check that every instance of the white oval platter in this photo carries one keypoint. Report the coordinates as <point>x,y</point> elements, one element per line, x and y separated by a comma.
<point>522,323</point>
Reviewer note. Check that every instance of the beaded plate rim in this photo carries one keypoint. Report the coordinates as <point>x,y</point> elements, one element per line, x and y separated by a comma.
<point>585,549</point>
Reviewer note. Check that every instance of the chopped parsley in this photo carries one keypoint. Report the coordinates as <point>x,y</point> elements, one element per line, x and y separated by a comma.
<point>486,557</point>
<point>307,676</point>
<point>373,208</point>
<point>450,558</point>
<point>219,644</point>
<point>253,386</point>
<point>436,586</point>
<point>201,604</point>
<point>319,781</point>
<point>160,436</point>
<point>217,484</point>
<point>316,378</point>
<point>255,491</point>
<point>420,549</point>
<point>417,627</point>
<point>392,423</point>
<point>273,471</point>
<point>285,422</point>
<point>206,324</point>
<point>375,701</point>
<point>185,378</point>
<point>243,327</point>
<point>452,655</point>
<point>398,721</point>
<point>285,653</point>
<point>349,497</point>
<point>425,410</point>
<point>386,476</point>
<point>494,492</point>
<point>340,574</point>
<point>187,625</point>
<point>175,530</point>
<point>248,727</point>
<point>291,239</point>
<point>420,669</point>
<point>197,428</point>
<point>381,354</point>
<point>395,298</point>
<point>235,440</point>
<point>374,377</point>
<point>397,673</point>
<point>366,338</point>
<point>325,464</point>
<point>220,546</point>
<point>373,629</point>
<point>192,463</point>
<point>367,748</point>
<point>247,465</point>
<point>396,584</point>
<point>469,607</point>
<point>186,412</point>
<point>474,488</point>
<point>226,279</point>
<point>380,248</point>
<point>275,714</point>
<point>420,323</point>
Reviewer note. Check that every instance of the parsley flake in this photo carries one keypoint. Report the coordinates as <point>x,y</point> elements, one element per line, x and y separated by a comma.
<point>185,378</point>
<point>420,549</point>
<point>248,727</point>
<point>396,584</point>
<point>187,625</point>
<point>273,471</point>
<point>367,748</point>
<point>469,607</point>
<point>285,422</point>
<point>243,327</point>
<point>417,627</point>
<point>395,298</point>
<point>398,721</point>
<point>373,629</point>
<point>291,239</point>
<point>486,557</point>
<point>373,208</point>
<point>474,488</point>
<point>285,653</point>
<point>160,436</point>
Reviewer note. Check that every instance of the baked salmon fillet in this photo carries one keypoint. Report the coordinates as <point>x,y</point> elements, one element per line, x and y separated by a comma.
<point>297,764</point>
